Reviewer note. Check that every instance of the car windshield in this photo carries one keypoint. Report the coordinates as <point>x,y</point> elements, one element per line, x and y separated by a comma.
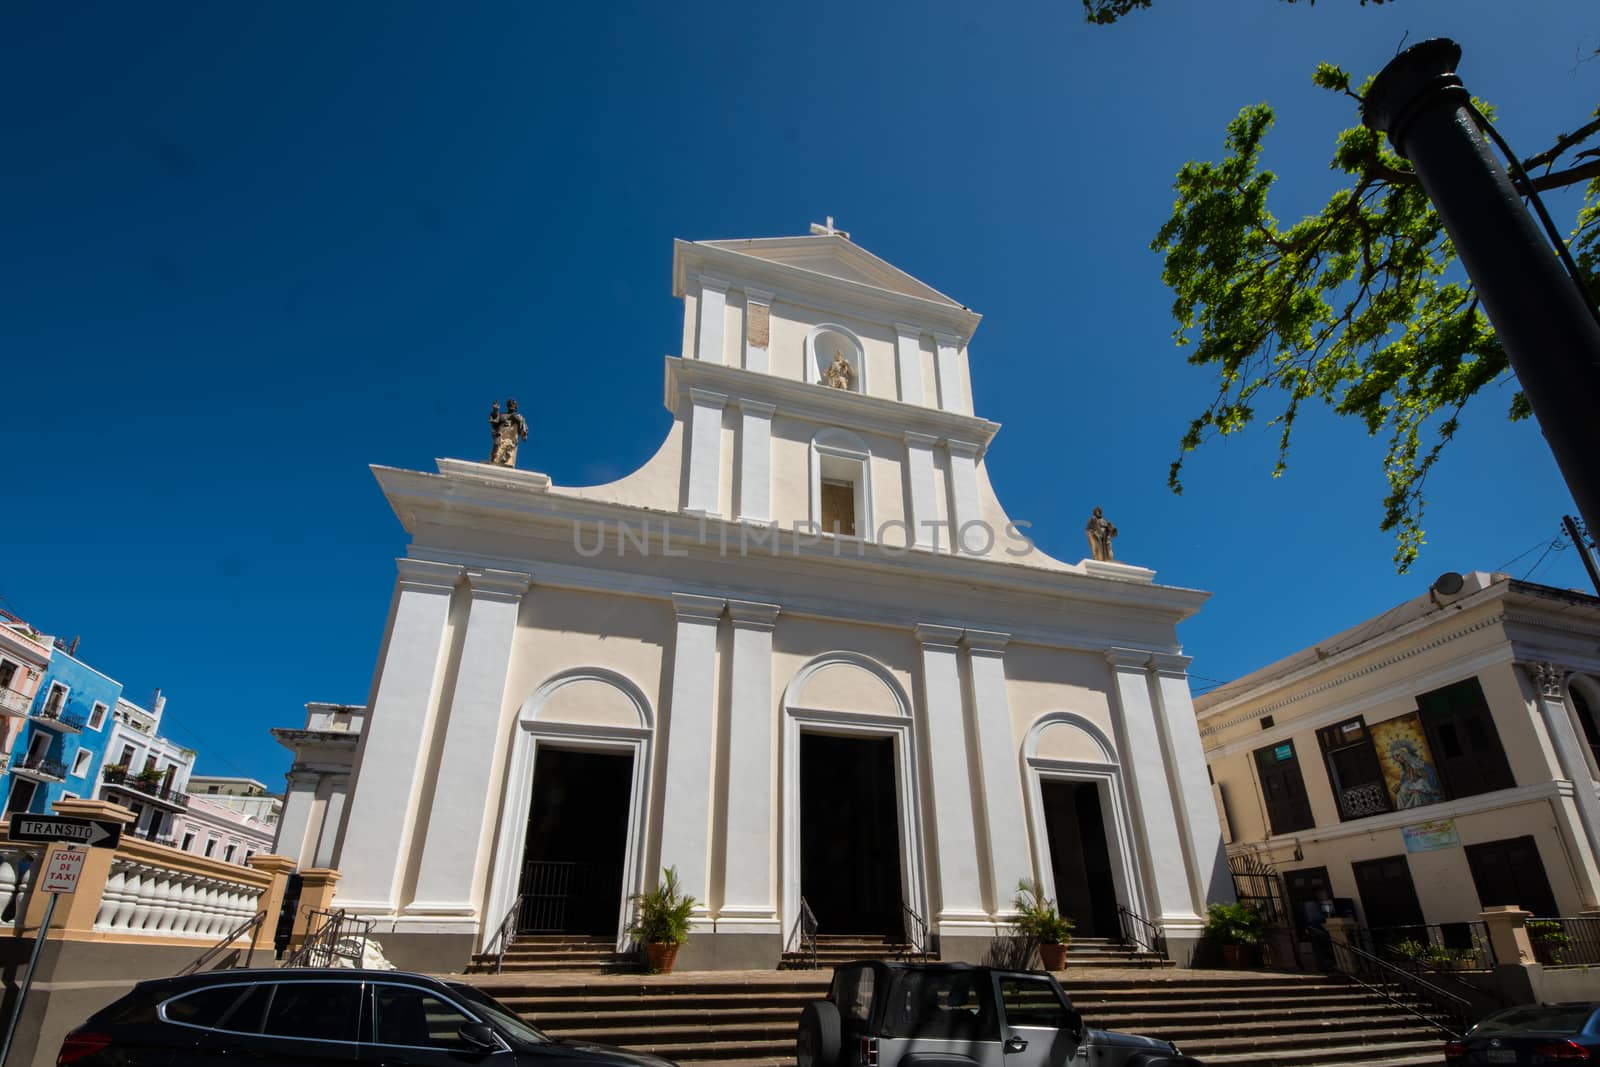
<point>1537,1019</point>
<point>500,1015</point>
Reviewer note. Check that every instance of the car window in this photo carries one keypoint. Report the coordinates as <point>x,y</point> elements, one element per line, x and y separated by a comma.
<point>1031,1002</point>
<point>404,1015</point>
<point>1538,1019</point>
<point>203,1007</point>
<point>318,1011</point>
<point>508,1021</point>
<point>852,994</point>
<point>246,1016</point>
<point>951,1005</point>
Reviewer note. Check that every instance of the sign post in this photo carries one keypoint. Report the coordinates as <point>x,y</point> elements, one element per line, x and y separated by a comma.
<point>59,875</point>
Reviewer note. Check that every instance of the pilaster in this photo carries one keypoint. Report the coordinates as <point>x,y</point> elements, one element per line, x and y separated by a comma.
<point>713,320</point>
<point>1544,687</point>
<point>1000,766</point>
<point>908,361</point>
<point>384,808</point>
<point>757,329</point>
<point>961,909</point>
<point>1209,878</point>
<point>328,836</point>
<point>947,363</point>
<point>690,734</point>
<point>964,500</point>
<point>748,901</point>
<point>921,485</point>
<point>755,461</point>
<point>457,821</point>
<point>705,451</point>
<point>294,824</point>
<point>1168,893</point>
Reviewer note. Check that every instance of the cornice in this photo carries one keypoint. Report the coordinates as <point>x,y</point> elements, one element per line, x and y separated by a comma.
<point>1129,658</point>
<point>750,615</point>
<point>985,642</point>
<point>1498,800</point>
<point>930,635</point>
<point>701,608</point>
<point>524,519</point>
<point>506,585</point>
<point>816,403</point>
<point>809,288</point>
<point>1301,676</point>
<point>425,574</point>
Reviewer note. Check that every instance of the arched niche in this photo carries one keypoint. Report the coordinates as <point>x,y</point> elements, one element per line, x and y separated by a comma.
<point>825,339</point>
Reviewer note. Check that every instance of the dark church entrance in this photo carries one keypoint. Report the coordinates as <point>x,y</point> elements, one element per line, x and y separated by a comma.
<point>850,834</point>
<point>577,835</point>
<point>1079,858</point>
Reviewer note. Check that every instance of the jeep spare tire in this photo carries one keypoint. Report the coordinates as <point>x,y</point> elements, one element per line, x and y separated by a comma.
<point>817,1044</point>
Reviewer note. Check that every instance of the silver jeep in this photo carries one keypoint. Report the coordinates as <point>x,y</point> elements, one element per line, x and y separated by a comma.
<point>887,1014</point>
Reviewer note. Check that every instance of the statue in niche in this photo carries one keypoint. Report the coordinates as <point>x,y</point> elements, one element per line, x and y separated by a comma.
<point>839,372</point>
<point>507,430</point>
<point>1100,531</point>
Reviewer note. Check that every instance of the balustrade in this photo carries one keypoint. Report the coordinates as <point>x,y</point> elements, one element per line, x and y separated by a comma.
<point>144,898</point>
<point>16,875</point>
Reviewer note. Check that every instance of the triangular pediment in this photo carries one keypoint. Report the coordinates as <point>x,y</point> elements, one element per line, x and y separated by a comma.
<point>834,257</point>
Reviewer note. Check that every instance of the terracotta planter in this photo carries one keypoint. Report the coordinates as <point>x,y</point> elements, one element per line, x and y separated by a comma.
<point>1054,957</point>
<point>1238,957</point>
<point>660,956</point>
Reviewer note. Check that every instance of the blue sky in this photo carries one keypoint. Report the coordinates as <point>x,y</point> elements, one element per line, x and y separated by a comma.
<point>250,249</point>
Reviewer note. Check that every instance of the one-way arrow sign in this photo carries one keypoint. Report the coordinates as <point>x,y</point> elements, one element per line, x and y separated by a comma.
<point>61,828</point>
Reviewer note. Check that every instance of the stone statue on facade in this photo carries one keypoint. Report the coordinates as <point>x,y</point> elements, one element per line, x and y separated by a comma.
<point>839,372</point>
<point>507,429</point>
<point>1100,531</point>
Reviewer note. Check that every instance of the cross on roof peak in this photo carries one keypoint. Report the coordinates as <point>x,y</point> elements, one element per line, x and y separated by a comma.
<point>827,229</point>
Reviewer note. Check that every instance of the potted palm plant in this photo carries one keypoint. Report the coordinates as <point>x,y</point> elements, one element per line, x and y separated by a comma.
<point>1038,921</point>
<point>1237,929</point>
<point>661,921</point>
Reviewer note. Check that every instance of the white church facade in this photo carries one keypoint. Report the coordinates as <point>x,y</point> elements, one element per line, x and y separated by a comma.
<point>802,654</point>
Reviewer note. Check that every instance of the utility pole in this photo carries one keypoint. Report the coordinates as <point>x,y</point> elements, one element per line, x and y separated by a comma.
<point>1581,542</point>
<point>1541,317</point>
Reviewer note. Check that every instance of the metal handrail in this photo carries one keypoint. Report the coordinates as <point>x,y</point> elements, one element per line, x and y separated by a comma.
<point>252,924</point>
<point>322,946</point>
<point>805,931</point>
<point>1379,976</point>
<point>1141,933</point>
<point>505,935</point>
<point>916,932</point>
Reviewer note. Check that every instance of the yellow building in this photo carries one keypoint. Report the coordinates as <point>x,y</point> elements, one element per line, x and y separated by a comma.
<point>1433,761</point>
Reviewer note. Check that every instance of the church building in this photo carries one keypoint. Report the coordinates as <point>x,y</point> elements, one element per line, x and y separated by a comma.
<point>802,655</point>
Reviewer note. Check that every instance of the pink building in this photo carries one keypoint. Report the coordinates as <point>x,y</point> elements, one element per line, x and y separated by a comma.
<point>24,654</point>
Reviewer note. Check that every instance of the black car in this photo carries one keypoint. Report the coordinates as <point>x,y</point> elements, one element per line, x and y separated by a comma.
<point>324,1017</point>
<point>1532,1033</point>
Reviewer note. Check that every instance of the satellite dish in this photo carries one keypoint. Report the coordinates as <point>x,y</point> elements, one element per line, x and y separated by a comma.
<point>1449,583</point>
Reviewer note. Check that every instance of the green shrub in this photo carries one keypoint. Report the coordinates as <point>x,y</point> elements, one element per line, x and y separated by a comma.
<point>661,916</point>
<point>1234,924</point>
<point>1037,917</point>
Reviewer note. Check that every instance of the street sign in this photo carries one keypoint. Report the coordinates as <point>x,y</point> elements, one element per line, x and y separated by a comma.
<point>96,832</point>
<point>61,874</point>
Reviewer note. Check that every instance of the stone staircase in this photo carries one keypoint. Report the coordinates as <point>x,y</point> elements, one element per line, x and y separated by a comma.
<point>560,953</point>
<point>1104,952</point>
<point>833,949</point>
<point>1226,1018</point>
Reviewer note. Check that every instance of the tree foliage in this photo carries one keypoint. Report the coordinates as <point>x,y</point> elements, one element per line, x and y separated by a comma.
<point>1355,307</point>
<point>1104,12</point>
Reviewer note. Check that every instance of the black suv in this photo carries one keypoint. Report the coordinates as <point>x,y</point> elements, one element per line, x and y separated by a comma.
<point>888,1014</point>
<point>324,1017</point>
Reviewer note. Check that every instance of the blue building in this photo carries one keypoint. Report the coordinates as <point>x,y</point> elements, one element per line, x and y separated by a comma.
<point>60,748</point>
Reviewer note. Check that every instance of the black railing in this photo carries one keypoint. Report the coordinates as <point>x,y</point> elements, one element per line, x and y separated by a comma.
<point>1141,933</point>
<point>150,787</point>
<point>504,936</point>
<point>251,926</point>
<point>1257,884</point>
<point>916,933</point>
<point>61,717</point>
<point>332,936</point>
<point>550,889</point>
<point>1450,1013</point>
<point>1462,946</point>
<point>803,939</point>
<point>1565,942</point>
<point>41,765</point>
